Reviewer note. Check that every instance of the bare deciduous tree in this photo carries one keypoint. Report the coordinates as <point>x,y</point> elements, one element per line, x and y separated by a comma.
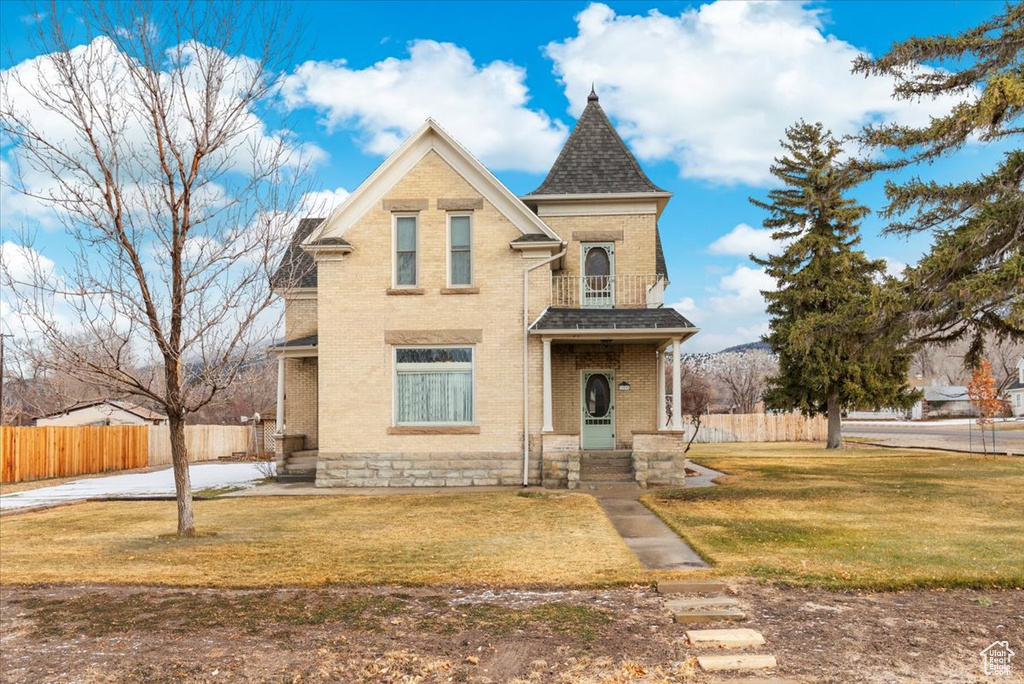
<point>150,144</point>
<point>743,377</point>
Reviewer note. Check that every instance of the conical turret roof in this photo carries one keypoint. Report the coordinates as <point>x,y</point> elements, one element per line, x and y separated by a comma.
<point>595,160</point>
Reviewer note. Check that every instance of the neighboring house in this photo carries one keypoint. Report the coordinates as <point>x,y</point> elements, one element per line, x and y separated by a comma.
<point>103,412</point>
<point>1015,391</point>
<point>944,401</point>
<point>440,330</point>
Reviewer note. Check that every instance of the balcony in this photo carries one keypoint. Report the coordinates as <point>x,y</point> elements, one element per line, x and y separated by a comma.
<point>608,292</point>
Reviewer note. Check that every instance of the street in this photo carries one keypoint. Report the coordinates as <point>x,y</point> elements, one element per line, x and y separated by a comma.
<point>957,435</point>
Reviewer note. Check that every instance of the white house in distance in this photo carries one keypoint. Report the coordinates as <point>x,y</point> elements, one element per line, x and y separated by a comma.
<point>102,412</point>
<point>1015,391</point>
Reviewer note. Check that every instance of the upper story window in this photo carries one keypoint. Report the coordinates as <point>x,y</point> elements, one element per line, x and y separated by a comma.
<point>460,250</point>
<point>406,241</point>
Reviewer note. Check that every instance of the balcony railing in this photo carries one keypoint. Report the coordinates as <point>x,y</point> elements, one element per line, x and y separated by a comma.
<point>608,292</point>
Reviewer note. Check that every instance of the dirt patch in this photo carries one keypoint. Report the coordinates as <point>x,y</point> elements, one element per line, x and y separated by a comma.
<point>136,634</point>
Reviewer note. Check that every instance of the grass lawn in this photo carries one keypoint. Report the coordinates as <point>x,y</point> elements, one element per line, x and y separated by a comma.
<point>866,517</point>
<point>499,539</point>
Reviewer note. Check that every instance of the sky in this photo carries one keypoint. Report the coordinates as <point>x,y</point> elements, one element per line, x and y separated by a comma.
<point>701,93</point>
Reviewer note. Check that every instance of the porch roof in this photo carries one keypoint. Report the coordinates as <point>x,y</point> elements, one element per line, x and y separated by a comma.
<point>300,346</point>
<point>653,323</point>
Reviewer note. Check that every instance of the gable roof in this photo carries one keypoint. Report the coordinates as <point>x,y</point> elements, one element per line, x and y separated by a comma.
<point>595,160</point>
<point>430,137</point>
<point>135,409</point>
<point>297,267</point>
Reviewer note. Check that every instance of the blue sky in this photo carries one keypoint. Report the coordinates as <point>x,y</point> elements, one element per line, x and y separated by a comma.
<point>700,91</point>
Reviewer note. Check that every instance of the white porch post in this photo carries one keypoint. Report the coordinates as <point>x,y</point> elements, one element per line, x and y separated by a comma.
<point>279,427</point>
<point>677,416</point>
<point>662,415</point>
<point>548,421</point>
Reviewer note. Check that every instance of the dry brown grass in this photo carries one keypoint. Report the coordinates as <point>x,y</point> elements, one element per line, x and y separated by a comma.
<point>498,539</point>
<point>862,517</point>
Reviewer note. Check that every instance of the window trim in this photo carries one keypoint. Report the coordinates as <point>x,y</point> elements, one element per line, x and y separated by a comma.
<point>394,249</point>
<point>394,385</point>
<point>448,251</point>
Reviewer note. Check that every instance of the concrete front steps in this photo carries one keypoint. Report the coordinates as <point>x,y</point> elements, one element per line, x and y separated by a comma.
<point>602,468</point>
<point>299,466</point>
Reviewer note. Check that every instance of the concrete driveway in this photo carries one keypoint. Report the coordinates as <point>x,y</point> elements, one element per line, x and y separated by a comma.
<point>155,483</point>
<point>957,435</point>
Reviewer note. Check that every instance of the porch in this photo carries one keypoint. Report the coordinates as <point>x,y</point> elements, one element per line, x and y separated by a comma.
<point>604,388</point>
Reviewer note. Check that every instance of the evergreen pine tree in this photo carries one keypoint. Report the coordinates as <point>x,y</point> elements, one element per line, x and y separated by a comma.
<point>972,279</point>
<point>834,349</point>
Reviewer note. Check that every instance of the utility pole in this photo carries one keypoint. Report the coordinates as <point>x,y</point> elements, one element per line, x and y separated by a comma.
<point>3,336</point>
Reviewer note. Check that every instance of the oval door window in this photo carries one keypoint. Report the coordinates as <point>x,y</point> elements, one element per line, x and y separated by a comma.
<point>598,396</point>
<point>598,263</point>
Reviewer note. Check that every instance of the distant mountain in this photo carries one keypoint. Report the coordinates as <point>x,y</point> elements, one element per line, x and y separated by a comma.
<point>748,347</point>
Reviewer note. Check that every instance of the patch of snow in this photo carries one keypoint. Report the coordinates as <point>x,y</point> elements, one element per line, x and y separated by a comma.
<point>156,483</point>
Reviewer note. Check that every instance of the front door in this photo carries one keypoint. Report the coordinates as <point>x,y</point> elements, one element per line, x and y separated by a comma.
<point>598,429</point>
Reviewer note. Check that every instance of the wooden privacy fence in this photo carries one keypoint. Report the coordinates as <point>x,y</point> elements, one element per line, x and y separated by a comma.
<point>760,427</point>
<point>203,442</point>
<point>35,453</point>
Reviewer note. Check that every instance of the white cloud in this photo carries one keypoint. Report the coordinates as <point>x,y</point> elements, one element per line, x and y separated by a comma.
<point>733,312</point>
<point>321,202</point>
<point>743,241</point>
<point>714,88</point>
<point>484,107</point>
<point>18,263</point>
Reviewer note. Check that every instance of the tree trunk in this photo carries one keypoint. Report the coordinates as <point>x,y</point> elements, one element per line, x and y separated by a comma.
<point>835,423</point>
<point>182,483</point>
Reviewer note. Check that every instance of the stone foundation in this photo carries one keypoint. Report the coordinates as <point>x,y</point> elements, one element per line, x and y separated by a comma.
<point>658,458</point>
<point>424,469</point>
<point>561,460</point>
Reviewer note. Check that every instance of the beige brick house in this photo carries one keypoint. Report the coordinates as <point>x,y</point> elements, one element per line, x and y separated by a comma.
<point>442,331</point>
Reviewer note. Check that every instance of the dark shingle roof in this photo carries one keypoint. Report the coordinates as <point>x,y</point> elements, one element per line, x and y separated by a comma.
<point>659,255</point>
<point>533,237</point>
<point>608,319</point>
<point>307,341</point>
<point>595,160</point>
<point>297,268</point>
<point>1015,385</point>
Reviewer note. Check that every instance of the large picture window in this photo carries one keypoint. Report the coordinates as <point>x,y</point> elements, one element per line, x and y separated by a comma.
<point>434,386</point>
<point>460,258</point>
<point>405,251</point>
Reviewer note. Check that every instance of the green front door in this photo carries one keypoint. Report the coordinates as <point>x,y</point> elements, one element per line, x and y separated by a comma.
<point>598,430</point>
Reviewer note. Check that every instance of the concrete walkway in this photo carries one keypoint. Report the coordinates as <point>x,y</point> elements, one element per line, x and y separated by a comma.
<point>654,543</point>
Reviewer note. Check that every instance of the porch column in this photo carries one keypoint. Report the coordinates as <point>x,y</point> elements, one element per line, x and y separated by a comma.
<point>677,376</point>
<point>548,422</point>
<point>279,427</point>
<point>662,415</point>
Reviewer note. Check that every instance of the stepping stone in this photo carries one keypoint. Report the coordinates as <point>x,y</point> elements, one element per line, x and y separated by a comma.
<point>724,638</point>
<point>695,615</point>
<point>680,605</point>
<point>691,587</point>
<point>736,662</point>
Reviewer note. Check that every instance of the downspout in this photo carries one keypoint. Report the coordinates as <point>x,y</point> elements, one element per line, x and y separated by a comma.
<point>526,362</point>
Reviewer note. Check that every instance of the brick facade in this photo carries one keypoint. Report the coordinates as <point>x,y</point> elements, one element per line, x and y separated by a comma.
<point>342,400</point>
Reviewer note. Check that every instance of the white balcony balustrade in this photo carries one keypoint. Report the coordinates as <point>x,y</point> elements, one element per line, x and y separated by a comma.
<point>608,292</point>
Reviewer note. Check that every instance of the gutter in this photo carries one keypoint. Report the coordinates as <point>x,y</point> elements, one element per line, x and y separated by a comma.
<point>526,361</point>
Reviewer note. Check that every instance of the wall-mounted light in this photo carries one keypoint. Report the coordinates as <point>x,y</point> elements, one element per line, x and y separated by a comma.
<point>624,386</point>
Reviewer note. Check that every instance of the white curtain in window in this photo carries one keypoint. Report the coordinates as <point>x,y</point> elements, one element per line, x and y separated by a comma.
<point>435,397</point>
